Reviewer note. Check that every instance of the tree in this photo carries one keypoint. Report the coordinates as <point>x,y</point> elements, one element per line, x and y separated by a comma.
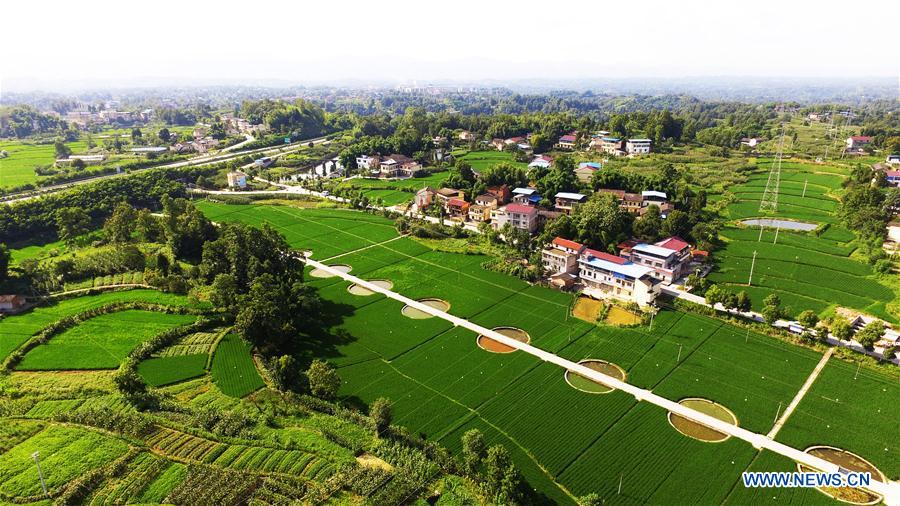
<point>224,294</point>
<point>601,222</point>
<point>474,450</point>
<point>62,151</point>
<point>592,499</point>
<point>730,300</point>
<point>120,224</point>
<point>5,255</point>
<point>743,302</point>
<point>649,226</point>
<point>187,229</point>
<point>772,310</point>
<point>381,412</point>
<point>714,295</point>
<point>274,313</point>
<point>677,223</point>
<point>136,135</point>
<point>841,328</point>
<point>72,222</point>
<point>808,319</point>
<point>285,373</point>
<point>870,334</point>
<point>324,381</point>
<point>164,135</point>
<point>501,478</point>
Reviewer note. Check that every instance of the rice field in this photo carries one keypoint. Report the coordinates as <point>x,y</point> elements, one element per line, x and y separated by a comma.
<point>806,270</point>
<point>162,371</point>
<point>16,329</point>
<point>567,442</point>
<point>233,370</point>
<point>100,343</point>
<point>18,168</point>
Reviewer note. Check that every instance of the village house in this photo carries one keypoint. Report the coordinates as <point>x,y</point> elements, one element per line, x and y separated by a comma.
<point>669,259</point>
<point>237,179</point>
<point>561,255</point>
<point>149,150</point>
<point>445,194</point>
<point>479,213</point>
<point>586,170</point>
<point>566,202</point>
<point>893,160</point>
<point>893,177</point>
<point>458,209</point>
<point>498,144</point>
<point>466,135</point>
<point>566,142</point>
<point>425,197</point>
<point>487,200</point>
<point>368,162</point>
<point>856,143</point>
<point>520,142</point>
<point>521,216</point>
<point>12,303</point>
<point>893,231</point>
<point>541,162</point>
<point>499,218</point>
<point>609,145</point>
<point>526,196</point>
<point>502,193</point>
<point>617,277</point>
<point>818,116</point>
<point>398,166</point>
<point>632,202</point>
<point>638,146</point>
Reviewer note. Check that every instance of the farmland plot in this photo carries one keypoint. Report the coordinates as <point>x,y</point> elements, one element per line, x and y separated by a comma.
<point>233,370</point>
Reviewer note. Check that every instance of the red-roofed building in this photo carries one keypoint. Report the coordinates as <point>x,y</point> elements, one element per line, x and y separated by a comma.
<point>12,303</point>
<point>521,216</point>
<point>674,243</point>
<point>893,177</point>
<point>604,256</point>
<point>503,193</point>
<point>561,256</point>
<point>458,208</point>
<point>857,142</point>
<point>566,141</point>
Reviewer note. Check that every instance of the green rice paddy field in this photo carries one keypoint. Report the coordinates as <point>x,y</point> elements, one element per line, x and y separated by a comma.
<point>568,442</point>
<point>395,192</point>
<point>18,168</point>
<point>806,270</point>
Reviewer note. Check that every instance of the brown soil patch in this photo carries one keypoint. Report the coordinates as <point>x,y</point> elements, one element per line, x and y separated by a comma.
<point>418,314</point>
<point>321,273</point>
<point>368,460</point>
<point>851,462</point>
<point>362,291</point>
<point>697,431</point>
<point>621,316</point>
<point>590,386</point>
<point>493,346</point>
<point>587,309</point>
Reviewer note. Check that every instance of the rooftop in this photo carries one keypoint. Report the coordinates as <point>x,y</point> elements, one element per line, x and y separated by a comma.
<point>627,269</point>
<point>570,196</point>
<point>673,243</point>
<point>654,250</point>
<point>520,209</point>
<point>524,191</point>
<point>565,243</point>
<point>652,193</point>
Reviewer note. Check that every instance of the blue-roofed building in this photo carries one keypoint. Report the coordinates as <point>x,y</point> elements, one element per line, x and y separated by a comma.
<point>614,276</point>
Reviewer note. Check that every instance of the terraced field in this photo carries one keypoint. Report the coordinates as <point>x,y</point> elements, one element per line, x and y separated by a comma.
<point>806,270</point>
<point>567,442</point>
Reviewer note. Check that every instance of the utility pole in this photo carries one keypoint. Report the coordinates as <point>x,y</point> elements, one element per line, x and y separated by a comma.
<point>776,235</point>
<point>747,337</point>
<point>37,462</point>
<point>857,371</point>
<point>621,477</point>
<point>804,187</point>
<point>752,264</point>
<point>760,231</point>
<point>777,413</point>
<point>679,354</point>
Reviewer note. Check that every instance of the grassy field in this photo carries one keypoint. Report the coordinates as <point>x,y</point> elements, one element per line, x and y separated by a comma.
<point>566,442</point>
<point>18,168</point>
<point>66,453</point>
<point>396,191</point>
<point>481,160</point>
<point>167,370</point>
<point>15,330</point>
<point>232,369</point>
<point>100,343</point>
<point>806,270</point>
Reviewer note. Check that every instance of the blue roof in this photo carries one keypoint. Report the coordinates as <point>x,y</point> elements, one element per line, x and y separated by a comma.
<point>612,139</point>
<point>534,198</point>
<point>596,165</point>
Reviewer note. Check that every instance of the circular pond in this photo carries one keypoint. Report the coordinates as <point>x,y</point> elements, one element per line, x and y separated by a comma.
<point>363,291</point>
<point>590,386</point>
<point>698,431</point>
<point>494,346</point>
<point>322,273</point>
<point>418,314</point>
<point>851,462</point>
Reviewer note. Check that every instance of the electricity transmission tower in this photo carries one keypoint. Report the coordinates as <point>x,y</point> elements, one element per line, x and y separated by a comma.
<point>769,202</point>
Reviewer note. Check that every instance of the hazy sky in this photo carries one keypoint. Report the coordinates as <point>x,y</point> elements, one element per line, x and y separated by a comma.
<point>50,44</point>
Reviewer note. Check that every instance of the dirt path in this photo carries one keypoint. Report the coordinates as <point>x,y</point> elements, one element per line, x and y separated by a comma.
<point>800,394</point>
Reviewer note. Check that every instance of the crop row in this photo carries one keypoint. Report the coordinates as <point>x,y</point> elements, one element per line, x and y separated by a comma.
<point>48,409</point>
<point>259,459</point>
<point>797,240</point>
<point>141,472</point>
<point>192,344</point>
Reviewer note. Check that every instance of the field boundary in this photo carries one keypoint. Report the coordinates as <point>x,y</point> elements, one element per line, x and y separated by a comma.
<point>800,394</point>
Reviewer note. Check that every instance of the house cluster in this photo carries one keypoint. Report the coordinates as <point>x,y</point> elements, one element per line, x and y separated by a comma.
<point>235,125</point>
<point>84,117</point>
<point>605,143</point>
<point>634,275</point>
<point>521,142</point>
<point>856,144</point>
<point>200,143</point>
<point>639,203</point>
<point>391,166</point>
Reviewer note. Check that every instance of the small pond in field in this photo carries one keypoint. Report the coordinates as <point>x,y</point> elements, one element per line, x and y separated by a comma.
<point>784,224</point>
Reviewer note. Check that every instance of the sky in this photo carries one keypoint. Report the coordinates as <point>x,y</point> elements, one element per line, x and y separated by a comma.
<point>66,44</point>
